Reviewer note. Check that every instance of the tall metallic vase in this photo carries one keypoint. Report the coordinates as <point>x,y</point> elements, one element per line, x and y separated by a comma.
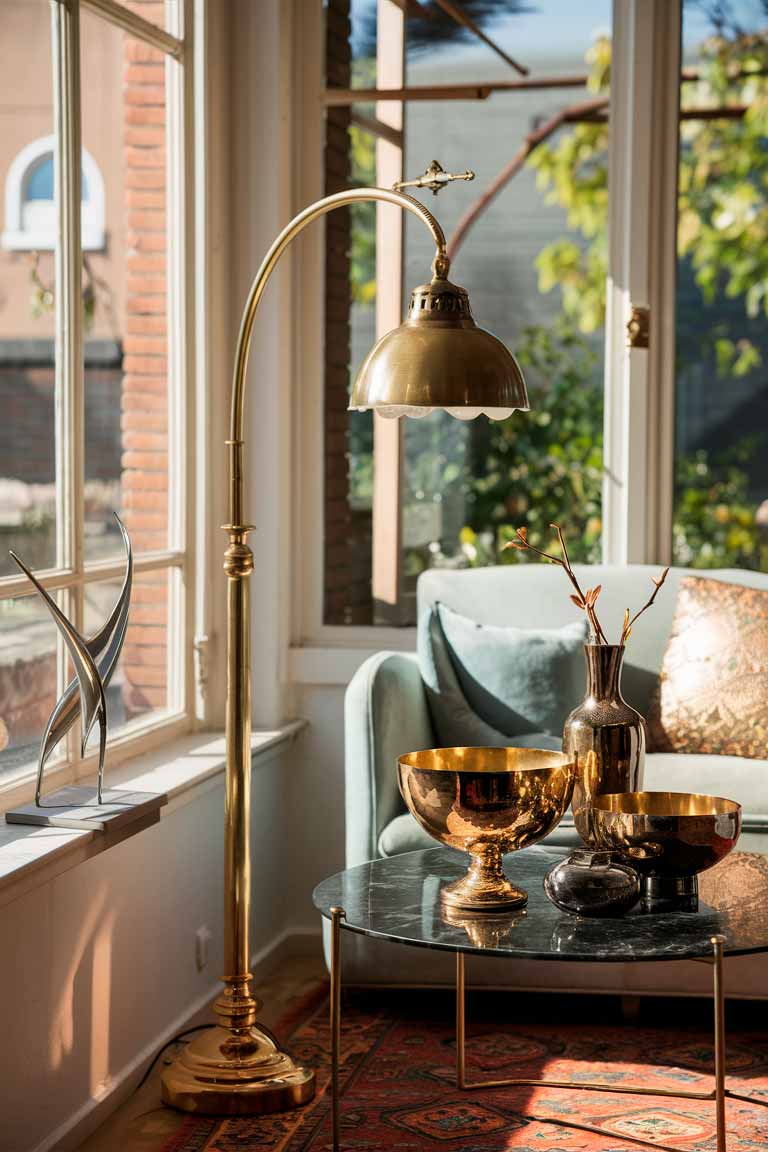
<point>604,736</point>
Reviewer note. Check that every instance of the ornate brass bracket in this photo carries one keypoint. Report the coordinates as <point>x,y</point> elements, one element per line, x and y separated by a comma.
<point>435,178</point>
<point>638,327</point>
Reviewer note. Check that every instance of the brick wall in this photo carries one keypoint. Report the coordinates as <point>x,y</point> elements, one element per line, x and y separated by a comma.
<point>347,589</point>
<point>144,403</point>
<point>27,428</point>
<point>28,694</point>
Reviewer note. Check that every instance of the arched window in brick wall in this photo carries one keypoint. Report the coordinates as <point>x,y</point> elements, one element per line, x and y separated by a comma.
<point>30,208</point>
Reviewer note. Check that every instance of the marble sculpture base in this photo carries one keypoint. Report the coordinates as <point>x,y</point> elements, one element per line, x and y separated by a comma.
<point>76,807</point>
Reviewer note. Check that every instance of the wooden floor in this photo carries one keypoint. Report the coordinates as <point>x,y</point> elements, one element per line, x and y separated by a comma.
<point>142,1124</point>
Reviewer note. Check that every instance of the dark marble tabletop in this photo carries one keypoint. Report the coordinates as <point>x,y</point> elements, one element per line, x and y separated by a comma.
<point>399,899</point>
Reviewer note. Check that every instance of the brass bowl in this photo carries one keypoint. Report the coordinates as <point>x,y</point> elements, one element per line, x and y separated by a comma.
<point>486,801</point>
<point>668,837</point>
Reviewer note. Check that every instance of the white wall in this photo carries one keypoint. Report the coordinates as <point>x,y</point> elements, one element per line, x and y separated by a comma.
<point>97,967</point>
<point>315,801</point>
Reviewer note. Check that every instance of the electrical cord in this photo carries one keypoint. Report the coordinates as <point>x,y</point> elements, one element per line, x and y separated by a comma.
<point>174,1040</point>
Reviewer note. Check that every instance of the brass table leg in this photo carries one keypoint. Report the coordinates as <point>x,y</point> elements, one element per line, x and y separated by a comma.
<point>460,1023</point>
<point>337,915</point>
<point>718,1094</point>
<point>717,944</point>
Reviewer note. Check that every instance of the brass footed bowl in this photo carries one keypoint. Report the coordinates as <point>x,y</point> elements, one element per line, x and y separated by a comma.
<point>486,801</point>
<point>668,837</point>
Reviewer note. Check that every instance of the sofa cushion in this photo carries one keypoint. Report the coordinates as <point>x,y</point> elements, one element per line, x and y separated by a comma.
<point>403,834</point>
<point>713,693</point>
<point>735,777</point>
<point>489,685</point>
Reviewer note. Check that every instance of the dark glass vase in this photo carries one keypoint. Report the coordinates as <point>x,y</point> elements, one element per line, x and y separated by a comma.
<point>605,737</point>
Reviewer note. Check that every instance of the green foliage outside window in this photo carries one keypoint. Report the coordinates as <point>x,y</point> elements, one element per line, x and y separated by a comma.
<point>716,524</point>
<point>722,239</point>
<point>547,465</point>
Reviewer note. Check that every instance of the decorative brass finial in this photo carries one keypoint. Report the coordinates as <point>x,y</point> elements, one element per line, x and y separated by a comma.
<point>435,178</point>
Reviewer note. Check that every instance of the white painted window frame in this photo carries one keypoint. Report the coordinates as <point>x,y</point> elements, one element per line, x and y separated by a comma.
<point>185,103</point>
<point>640,382</point>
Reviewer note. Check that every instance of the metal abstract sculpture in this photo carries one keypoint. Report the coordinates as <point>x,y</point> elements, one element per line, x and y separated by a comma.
<point>94,661</point>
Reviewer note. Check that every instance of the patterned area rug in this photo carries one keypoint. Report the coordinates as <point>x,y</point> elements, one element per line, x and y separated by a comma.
<point>398,1085</point>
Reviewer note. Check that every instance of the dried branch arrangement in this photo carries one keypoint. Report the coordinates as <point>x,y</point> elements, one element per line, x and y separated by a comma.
<point>585,600</point>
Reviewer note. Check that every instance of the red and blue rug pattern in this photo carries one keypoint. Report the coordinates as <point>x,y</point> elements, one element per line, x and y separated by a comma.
<point>399,1092</point>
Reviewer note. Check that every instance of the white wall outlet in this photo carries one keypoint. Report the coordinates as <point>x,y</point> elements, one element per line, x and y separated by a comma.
<point>202,940</point>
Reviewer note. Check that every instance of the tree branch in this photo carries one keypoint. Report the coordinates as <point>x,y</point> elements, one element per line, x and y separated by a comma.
<point>588,112</point>
<point>532,141</point>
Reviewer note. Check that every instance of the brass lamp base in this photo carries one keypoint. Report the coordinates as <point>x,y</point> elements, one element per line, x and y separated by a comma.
<point>214,1077</point>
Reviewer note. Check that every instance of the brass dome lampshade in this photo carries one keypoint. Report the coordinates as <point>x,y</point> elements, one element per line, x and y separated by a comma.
<point>440,359</point>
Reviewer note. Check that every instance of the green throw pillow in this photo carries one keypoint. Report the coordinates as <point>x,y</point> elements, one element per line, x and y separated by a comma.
<point>491,685</point>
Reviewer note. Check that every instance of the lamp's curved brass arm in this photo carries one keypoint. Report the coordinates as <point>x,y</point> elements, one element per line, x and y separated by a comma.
<point>237,1068</point>
<point>289,233</point>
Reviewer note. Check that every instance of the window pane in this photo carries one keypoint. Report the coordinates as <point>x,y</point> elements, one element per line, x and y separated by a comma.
<point>534,262</point>
<point>534,265</point>
<point>124,286</point>
<point>27,243</point>
<point>38,184</point>
<point>721,429</point>
<point>139,685</point>
<point>27,678</point>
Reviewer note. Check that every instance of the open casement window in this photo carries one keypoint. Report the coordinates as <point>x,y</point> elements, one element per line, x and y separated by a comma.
<point>620,254</point>
<point>401,497</point>
<point>94,345</point>
<point>719,472</point>
<point>687,390</point>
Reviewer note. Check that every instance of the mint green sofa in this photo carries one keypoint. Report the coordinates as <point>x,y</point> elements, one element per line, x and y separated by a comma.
<point>386,714</point>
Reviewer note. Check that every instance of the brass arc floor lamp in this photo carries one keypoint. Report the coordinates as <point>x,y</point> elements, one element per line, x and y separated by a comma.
<point>438,358</point>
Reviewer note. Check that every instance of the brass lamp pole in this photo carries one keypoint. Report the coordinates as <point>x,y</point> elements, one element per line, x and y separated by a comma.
<point>438,358</point>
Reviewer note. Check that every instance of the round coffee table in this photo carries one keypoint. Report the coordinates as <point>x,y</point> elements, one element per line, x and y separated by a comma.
<point>398,899</point>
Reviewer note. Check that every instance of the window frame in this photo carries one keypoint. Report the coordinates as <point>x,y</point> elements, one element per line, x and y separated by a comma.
<point>185,228</point>
<point>642,262</point>
<point>639,383</point>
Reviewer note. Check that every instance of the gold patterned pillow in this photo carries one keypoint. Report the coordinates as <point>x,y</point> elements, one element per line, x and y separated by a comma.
<point>713,691</point>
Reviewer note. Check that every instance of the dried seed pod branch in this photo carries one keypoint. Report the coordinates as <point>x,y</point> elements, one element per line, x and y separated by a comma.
<point>585,600</point>
<point>629,621</point>
<point>591,594</point>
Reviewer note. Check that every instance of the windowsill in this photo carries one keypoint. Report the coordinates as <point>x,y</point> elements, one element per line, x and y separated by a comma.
<point>183,769</point>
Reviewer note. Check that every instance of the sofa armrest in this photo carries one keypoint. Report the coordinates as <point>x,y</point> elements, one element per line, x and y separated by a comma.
<point>385,715</point>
